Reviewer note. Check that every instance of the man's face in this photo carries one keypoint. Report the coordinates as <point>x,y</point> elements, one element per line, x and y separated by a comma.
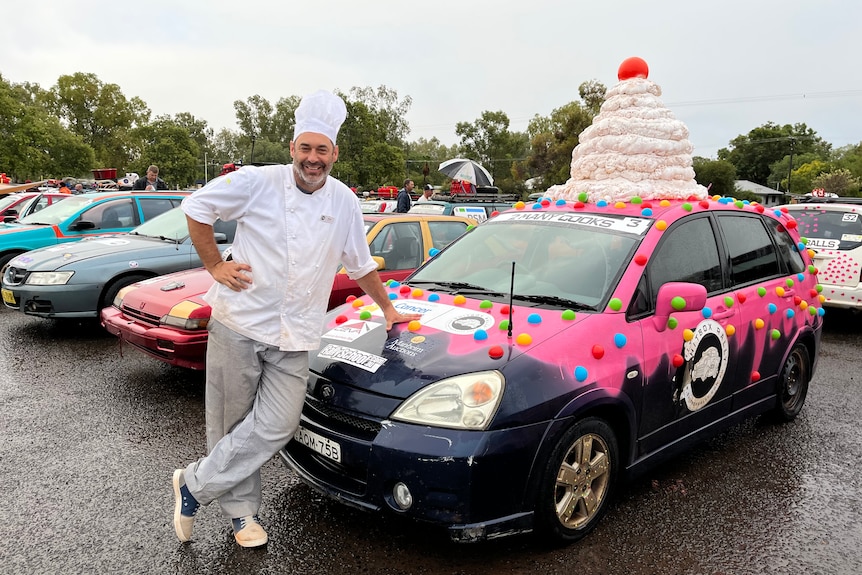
<point>409,187</point>
<point>313,155</point>
<point>151,176</point>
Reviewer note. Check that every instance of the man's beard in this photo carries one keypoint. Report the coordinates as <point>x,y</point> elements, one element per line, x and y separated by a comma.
<point>311,182</point>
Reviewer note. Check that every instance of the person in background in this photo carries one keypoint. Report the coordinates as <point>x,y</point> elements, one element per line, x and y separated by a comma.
<point>404,200</point>
<point>79,188</point>
<point>426,193</point>
<point>151,182</point>
<point>64,189</point>
<point>296,224</point>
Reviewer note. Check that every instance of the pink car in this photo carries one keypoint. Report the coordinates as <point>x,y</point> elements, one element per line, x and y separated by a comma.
<point>562,347</point>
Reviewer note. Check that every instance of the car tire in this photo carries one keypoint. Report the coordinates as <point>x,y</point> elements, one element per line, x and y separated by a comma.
<point>114,288</point>
<point>792,386</point>
<point>7,257</point>
<point>578,480</point>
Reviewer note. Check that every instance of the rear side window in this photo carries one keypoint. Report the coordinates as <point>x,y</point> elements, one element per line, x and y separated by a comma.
<point>829,229</point>
<point>444,233</point>
<point>152,207</point>
<point>750,250</point>
<point>788,253</point>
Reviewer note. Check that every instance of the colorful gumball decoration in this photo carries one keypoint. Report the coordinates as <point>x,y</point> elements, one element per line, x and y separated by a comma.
<point>341,319</point>
<point>496,352</point>
<point>598,351</point>
<point>678,360</point>
<point>633,67</point>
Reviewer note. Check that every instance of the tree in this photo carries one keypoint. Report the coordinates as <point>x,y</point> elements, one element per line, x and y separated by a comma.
<point>802,178</point>
<point>100,114</point>
<point>719,176</point>
<point>754,154</point>
<point>34,144</point>
<point>552,141</point>
<point>593,95</point>
<point>489,142</point>
<point>840,182</point>
<point>168,144</point>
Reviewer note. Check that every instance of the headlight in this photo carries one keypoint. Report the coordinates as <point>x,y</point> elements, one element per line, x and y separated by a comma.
<point>118,299</point>
<point>463,402</point>
<point>48,278</point>
<point>188,315</point>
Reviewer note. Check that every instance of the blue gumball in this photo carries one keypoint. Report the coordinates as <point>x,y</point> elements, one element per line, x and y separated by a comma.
<point>581,373</point>
<point>619,340</point>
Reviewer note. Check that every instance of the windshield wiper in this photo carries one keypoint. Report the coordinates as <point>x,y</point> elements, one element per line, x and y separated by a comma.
<point>551,300</point>
<point>459,288</point>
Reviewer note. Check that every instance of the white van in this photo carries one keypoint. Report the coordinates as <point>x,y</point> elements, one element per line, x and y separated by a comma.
<point>833,228</point>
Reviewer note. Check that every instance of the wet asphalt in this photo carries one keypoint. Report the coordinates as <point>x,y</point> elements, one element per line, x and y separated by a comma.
<point>91,433</point>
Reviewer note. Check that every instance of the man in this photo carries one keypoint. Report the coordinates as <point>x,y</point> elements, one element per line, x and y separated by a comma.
<point>426,193</point>
<point>296,225</point>
<point>151,182</point>
<point>79,188</point>
<point>404,199</point>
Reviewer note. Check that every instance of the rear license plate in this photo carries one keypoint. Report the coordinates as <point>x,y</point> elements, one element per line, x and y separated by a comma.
<point>322,445</point>
<point>9,297</point>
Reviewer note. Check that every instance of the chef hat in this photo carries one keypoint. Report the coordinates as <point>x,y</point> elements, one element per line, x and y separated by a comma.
<point>321,112</point>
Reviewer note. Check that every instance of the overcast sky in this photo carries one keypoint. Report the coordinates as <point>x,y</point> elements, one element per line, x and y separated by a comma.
<point>724,67</point>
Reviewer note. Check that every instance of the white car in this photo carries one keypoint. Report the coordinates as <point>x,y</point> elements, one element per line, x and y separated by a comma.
<point>833,229</point>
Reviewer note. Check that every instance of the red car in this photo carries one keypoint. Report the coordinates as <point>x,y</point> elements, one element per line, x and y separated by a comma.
<point>20,204</point>
<point>166,317</point>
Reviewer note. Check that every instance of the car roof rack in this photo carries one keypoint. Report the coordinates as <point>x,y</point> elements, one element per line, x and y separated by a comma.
<point>829,200</point>
<point>487,195</point>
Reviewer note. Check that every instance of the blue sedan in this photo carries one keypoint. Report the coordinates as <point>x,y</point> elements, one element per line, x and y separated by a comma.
<point>77,280</point>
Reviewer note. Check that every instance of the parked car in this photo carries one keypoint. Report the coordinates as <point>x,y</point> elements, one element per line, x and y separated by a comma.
<point>83,215</point>
<point>465,206</point>
<point>561,349</point>
<point>166,317</point>
<point>833,230</point>
<point>80,278</point>
<point>22,204</point>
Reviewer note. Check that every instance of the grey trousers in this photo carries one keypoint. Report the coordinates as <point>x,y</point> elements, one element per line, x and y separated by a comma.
<point>254,397</point>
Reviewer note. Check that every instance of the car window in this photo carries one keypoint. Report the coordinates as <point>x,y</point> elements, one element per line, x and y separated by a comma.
<point>688,253</point>
<point>155,206</point>
<point>750,250</point>
<point>226,228</point>
<point>444,233</point>
<point>171,224</point>
<point>399,244</point>
<point>58,212</point>
<point>829,229</point>
<point>109,215</point>
<point>788,254</point>
<point>9,200</point>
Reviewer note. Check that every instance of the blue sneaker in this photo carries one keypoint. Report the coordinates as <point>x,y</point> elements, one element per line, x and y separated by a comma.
<point>185,507</point>
<point>248,532</point>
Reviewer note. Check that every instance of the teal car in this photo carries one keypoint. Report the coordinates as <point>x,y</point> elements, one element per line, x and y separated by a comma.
<point>80,216</point>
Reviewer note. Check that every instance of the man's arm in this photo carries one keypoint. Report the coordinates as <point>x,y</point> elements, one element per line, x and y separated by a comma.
<point>229,274</point>
<point>371,284</point>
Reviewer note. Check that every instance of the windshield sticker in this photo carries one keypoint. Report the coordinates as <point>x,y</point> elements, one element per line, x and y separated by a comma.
<point>351,330</point>
<point>367,361</point>
<point>823,243</point>
<point>851,238</point>
<point>478,213</point>
<point>629,225</point>
<point>448,318</point>
<point>850,217</point>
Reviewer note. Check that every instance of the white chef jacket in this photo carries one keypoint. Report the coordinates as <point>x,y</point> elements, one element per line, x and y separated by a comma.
<point>293,242</point>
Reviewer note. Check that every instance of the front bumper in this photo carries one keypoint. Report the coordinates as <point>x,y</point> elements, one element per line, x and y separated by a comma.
<point>475,484</point>
<point>175,347</point>
<point>57,301</point>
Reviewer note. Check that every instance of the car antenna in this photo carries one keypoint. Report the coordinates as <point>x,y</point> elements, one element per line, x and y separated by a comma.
<point>511,297</point>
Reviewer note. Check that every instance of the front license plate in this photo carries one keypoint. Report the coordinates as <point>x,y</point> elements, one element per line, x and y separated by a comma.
<point>9,297</point>
<point>324,446</point>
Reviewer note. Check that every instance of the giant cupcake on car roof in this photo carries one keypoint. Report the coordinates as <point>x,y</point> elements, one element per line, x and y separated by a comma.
<point>635,147</point>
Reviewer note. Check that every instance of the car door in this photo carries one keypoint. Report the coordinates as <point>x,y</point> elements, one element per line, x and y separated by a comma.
<point>762,260</point>
<point>689,363</point>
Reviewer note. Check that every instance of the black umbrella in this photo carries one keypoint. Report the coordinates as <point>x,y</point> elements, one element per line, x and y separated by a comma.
<point>467,171</point>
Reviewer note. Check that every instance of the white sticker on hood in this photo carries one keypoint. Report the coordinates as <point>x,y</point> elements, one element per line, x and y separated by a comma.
<point>362,360</point>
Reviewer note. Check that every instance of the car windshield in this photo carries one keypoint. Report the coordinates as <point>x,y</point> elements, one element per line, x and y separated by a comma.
<point>8,200</point>
<point>556,263</point>
<point>171,225</point>
<point>426,208</point>
<point>829,229</point>
<point>58,212</point>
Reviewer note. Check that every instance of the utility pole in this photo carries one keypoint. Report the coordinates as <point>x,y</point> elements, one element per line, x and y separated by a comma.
<point>790,168</point>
